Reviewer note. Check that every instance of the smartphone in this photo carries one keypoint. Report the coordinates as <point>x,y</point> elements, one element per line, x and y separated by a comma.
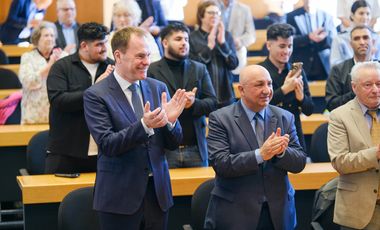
<point>295,67</point>
<point>67,175</point>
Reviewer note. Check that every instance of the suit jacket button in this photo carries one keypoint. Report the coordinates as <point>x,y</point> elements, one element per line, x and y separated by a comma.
<point>375,191</point>
<point>377,170</point>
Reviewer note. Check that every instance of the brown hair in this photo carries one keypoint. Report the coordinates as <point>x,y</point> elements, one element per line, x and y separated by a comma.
<point>121,38</point>
<point>202,9</point>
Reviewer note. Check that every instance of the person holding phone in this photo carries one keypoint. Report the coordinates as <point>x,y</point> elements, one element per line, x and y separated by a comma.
<point>290,87</point>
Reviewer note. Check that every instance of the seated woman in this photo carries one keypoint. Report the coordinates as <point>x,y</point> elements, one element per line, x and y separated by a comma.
<point>34,69</point>
<point>128,13</point>
<point>340,48</point>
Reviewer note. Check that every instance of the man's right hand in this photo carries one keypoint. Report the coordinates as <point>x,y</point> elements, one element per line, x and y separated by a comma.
<point>156,118</point>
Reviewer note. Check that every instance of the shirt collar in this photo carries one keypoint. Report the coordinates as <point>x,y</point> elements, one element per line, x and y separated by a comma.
<point>124,84</point>
<point>250,113</point>
<point>363,107</point>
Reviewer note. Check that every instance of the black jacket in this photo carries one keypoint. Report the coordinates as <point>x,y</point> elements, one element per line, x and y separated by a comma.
<point>338,85</point>
<point>68,79</point>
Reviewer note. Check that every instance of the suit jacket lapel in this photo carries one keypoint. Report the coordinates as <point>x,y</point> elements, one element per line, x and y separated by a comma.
<point>360,122</point>
<point>147,94</point>
<point>188,72</point>
<point>270,123</point>
<point>245,126</point>
<point>119,96</point>
<point>167,74</point>
<point>301,23</point>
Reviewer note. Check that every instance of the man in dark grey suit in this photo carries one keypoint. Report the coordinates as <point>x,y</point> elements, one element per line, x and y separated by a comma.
<point>67,27</point>
<point>252,147</point>
<point>338,85</point>
<point>176,70</point>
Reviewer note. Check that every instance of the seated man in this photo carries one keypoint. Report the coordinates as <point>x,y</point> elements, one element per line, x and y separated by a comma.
<point>338,85</point>
<point>353,143</point>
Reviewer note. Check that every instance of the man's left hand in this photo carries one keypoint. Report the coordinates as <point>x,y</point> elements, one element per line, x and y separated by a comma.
<point>175,106</point>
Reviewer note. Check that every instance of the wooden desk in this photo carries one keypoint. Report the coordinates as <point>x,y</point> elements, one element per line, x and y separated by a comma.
<point>6,92</point>
<point>19,135</point>
<point>317,88</point>
<point>261,38</point>
<point>184,182</point>
<point>15,51</point>
<point>312,122</point>
<point>14,67</point>
<point>254,60</point>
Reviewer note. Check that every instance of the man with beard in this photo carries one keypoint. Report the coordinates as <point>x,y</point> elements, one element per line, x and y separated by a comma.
<point>338,85</point>
<point>179,72</point>
<point>69,147</point>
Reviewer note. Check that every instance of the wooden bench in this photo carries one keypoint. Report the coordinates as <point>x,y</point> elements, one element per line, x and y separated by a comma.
<point>15,51</point>
<point>317,88</point>
<point>39,189</point>
<point>261,38</point>
<point>6,92</point>
<point>19,135</point>
<point>254,60</point>
<point>14,67</point>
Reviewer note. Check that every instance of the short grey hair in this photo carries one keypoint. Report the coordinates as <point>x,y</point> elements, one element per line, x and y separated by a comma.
<point>355,76</point>
<point>59,2</point>
<point>131,7</point>
<point>36,34</point>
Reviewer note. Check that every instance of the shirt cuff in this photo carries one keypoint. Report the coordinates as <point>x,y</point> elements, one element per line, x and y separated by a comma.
<point>149,131</point>
<point>259,158</point>
<point>171,125</point>
<point>281,155</point>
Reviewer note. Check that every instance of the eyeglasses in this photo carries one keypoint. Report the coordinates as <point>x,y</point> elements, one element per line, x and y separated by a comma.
<point>217,13</point>
<point>67,9</point>
<point>369,85</point>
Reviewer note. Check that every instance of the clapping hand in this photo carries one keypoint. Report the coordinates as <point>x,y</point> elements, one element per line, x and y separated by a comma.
<point>175,106</point>
<point>274,145</point>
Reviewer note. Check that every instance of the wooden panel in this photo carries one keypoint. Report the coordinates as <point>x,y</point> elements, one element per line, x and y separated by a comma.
<point>14,67</point>
<point>259,8</point>
<point>312,122</point>
<point>190,12</point>
<point>254,60</point>
<point>6,92</point>
<point>87,11</point>
<point>317,88</point>
<point>19,135</point>
<point>184,182</point>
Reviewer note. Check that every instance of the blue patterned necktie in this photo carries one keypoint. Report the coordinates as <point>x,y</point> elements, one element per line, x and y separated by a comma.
<point>259,129</point>
<point>136,101</point>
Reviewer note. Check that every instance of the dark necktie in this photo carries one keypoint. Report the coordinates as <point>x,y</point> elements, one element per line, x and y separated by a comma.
<point>136,101</point>
<point>259,129</point>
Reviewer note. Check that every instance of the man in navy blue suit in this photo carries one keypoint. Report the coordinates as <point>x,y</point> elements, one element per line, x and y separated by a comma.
<point>132,122</point>
<point>252,147</point>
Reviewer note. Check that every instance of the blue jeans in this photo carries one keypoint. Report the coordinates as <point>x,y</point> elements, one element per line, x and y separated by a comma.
<point>186,156</point>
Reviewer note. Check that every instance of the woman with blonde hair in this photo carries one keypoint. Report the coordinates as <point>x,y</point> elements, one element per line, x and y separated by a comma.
<point>34,69</point>
<point>128,13</point>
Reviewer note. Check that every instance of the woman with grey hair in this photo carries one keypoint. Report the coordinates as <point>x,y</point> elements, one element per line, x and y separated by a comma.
<point>128,13</point>
<point>34,69</point>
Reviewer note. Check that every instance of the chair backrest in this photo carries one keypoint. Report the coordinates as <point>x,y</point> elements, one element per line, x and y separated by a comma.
<point>199,204</point>
<point>318,146</point>
<point>75,211</point>
<point>36,153</point>
<point>9,79</point>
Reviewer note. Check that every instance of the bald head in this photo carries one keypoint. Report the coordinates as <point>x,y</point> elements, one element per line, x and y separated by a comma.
<point>255,87</point>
